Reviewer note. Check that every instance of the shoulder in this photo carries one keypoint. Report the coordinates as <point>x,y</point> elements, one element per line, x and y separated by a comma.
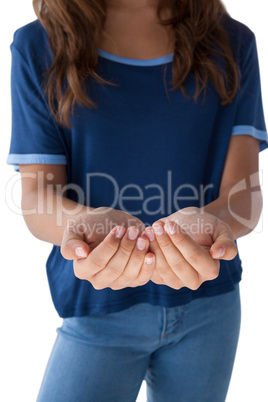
<point>31,42</point>
<point>239,32</point>
<point>242,39</point>
<point>29,35</point>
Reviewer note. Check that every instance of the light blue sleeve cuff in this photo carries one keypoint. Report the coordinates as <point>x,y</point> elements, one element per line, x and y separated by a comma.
<point>16,159</point>
<point>260,135</point>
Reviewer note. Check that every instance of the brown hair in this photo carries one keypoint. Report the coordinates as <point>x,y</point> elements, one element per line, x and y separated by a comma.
<point>74,28</point>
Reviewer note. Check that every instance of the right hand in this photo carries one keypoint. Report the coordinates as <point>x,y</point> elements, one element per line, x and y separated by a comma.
<point>86,232</point>
<point>118,261</point>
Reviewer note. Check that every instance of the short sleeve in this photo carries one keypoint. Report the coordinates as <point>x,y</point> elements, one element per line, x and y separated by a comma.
<point>249,117</point>
<point>35,136</point>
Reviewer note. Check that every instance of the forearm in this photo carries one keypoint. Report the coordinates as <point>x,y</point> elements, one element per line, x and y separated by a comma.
<point>241,211</point>
<point>46,215</point>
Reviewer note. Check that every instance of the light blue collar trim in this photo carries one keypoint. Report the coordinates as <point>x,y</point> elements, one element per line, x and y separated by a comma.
<point>137,62</point>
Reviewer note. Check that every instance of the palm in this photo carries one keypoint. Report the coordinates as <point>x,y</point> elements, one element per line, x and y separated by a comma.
<point>193,250</point>
<point>101,221</point>
<point>200,226</point>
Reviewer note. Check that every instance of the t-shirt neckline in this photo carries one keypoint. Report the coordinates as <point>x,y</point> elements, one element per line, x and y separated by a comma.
<point>136,62</point>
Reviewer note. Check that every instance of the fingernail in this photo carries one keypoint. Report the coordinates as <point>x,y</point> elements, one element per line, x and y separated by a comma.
<point>133,234</point>
<point>119,232</point>
<point>149,260</point>
<point>158,229</point>
<point>141,243</point>
<point>150,234</point>
<point>170,228</point>
<point>219,253</point>
<point>80,252</point>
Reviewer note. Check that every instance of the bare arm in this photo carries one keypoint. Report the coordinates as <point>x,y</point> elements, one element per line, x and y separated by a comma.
<point>45,208</point>
<point>52,217</point>
<point>233,214</point>
<point>240,200</point>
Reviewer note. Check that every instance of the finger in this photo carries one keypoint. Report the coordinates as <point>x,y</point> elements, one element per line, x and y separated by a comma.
<point>73,245</point>
<point>116,265</point>
<point>224,246</point>
<point>130,274</point>
<point>192,252</point>
<point>101,255</point>
<point>146,271</point>
<point>162,267</point>
<point>135,262</point>
<point>178,263</point>
<point>156,278</point>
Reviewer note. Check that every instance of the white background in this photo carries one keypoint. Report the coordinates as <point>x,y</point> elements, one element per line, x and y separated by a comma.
<point>29,320</point>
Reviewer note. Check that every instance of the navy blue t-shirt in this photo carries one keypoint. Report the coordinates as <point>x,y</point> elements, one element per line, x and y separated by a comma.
<point>145,149</point>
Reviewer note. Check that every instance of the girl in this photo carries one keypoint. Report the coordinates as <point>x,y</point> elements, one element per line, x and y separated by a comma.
<point>136,128</point>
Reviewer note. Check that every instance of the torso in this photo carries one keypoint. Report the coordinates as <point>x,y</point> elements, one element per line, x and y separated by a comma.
<point>136,34</point>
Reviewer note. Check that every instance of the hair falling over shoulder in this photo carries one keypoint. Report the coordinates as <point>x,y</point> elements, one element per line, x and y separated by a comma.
<point>74,28</point>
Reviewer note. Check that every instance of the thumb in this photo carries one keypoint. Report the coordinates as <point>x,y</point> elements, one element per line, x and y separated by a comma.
<point>73,245</point>
<point>224,246</point>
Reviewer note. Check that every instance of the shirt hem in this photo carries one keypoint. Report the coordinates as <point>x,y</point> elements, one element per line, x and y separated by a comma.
<point>148,297</point>
<point>16,159</point>
<point>260,135</point>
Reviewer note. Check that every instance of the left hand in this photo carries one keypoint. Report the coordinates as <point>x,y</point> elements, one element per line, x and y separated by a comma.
<point>189,256</point>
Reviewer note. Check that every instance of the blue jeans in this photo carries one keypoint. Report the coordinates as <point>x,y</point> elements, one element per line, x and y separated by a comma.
<point>185,353</point>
